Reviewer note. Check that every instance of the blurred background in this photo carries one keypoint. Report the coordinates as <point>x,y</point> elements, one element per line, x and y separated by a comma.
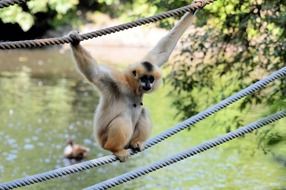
<point>231,44</point>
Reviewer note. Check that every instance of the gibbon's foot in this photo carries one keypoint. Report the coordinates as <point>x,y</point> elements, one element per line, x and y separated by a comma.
<point>122,155</point>
<point>139,146</point>
<point>74,35</point>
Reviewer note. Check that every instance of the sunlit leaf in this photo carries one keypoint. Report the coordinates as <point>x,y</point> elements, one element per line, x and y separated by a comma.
<point>15,14</point>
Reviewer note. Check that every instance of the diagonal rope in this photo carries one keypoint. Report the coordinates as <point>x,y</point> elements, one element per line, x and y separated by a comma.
<point>188,153</point>
<point>7,3</point>
<point>196,5</point>
<point>168,133</point>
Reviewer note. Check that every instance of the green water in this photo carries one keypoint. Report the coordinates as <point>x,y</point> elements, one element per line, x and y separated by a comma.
<point>43,101</point>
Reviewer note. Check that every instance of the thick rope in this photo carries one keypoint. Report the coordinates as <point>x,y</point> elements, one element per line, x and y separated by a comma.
<point>186,154</point>
<point>172,131</point>
<point>196,5</point>
<point>7,3</point>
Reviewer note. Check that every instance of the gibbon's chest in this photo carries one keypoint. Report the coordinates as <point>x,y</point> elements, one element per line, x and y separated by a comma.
<point>135,107</point>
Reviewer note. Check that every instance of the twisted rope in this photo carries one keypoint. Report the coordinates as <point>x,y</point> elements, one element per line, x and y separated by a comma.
<point>196,4</point>
<point>7,3</point>
<point>186,154</point>
<point>168,133</point>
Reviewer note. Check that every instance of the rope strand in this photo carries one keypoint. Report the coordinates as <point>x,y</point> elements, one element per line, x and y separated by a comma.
<point>172,131</point>
<point>186,154</point>
<point>7,3</point>
<point>196,4</point>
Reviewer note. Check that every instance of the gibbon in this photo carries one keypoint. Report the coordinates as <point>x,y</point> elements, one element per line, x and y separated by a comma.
<point>121,121</point>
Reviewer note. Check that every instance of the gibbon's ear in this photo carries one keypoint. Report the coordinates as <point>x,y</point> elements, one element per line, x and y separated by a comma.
<point>162,51</point>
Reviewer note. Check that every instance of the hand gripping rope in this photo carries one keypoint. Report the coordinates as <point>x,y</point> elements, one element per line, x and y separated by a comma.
<point>172,131</point>
<point>196,4</point>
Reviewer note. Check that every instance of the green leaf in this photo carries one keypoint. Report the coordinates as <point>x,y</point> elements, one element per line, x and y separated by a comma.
<point>15,14</point>
<point>36,6</point>
<point>62,6</point>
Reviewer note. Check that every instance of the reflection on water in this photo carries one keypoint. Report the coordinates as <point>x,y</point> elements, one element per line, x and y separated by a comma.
<point>40,109</point>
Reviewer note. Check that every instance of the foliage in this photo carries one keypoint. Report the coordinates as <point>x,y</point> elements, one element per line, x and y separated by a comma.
<point>236,44</point>
<point>64,11</point>
<point>147,7</point>
<point>25,15</point>
<point>15,14</point>
<point>131,10</point>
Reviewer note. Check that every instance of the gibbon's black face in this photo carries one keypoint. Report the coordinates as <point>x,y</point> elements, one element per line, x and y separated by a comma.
<point>146,82</point>
<point>147,75</point>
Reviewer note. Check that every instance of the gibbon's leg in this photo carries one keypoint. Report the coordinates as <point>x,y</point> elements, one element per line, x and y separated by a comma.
<point>141,132</point>
<point>119,134</point>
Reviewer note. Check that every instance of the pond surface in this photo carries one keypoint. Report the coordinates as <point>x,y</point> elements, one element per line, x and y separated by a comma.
<point>44,101</point>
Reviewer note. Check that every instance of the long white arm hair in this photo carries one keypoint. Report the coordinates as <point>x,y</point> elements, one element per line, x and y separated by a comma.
<point>162,51</point>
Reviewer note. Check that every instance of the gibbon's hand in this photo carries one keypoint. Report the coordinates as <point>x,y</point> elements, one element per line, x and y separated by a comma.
<point>74,35</point>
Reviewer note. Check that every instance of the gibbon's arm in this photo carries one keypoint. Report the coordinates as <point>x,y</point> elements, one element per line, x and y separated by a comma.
<point>87,65</point>
<point>162,51</point>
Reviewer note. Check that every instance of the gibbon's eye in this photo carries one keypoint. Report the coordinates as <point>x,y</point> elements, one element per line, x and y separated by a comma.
<point>144,78</point>
<point>151,79</point>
